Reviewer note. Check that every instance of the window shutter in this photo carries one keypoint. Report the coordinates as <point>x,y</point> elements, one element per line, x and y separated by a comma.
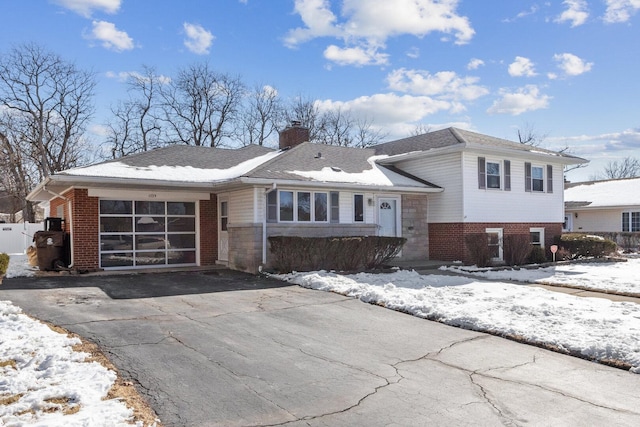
<point>549,179</point>
<point>527,176</point>
<point>482,173</point>
<point>507,175</point>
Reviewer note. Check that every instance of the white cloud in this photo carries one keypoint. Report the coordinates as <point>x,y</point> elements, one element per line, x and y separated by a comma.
<point>389,108</point>
<point>577,12</point>
<point>474,64</point>
<point>198,39</point>
<point>369,23</point>
<point>620,10</point>
<point>444,84</point>
<point>86,7</point>
<point>572,65</point>
<point>355,56</point>
<point>534,9</point>
<point>522,67</point>
<point>110,36</point>
<point>525,99</point>
<point>413,53</point>
<point>123,76</point>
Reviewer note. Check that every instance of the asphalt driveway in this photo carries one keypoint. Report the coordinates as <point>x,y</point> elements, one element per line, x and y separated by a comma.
<point>229,349</point>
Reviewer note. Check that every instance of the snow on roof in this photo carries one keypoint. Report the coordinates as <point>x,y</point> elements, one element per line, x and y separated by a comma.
<point>618,192</point>
<point>171,173</point>
<point>376,176</point>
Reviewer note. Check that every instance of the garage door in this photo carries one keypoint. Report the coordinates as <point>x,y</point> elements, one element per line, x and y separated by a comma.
<point>147,233</point>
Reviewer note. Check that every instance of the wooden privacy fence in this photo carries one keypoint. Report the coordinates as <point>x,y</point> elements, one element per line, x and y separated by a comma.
<point>16,238</point>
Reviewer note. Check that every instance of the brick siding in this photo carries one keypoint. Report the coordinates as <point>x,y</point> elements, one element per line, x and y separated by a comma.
<point>446,240</point>
<point>209,231</point>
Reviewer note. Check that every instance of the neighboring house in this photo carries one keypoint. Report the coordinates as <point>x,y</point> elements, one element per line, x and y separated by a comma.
<point>603,206</point>
<point>185,205</point>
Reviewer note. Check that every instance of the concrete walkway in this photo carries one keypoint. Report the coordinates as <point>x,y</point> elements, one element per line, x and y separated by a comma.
<point>226,349</point>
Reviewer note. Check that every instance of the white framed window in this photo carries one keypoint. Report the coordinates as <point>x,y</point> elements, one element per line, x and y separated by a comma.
<point>631,221</point>
<point>494,240</point>
<point>538,178</point>
<point>494,174</point>
<point>358,207</point>
<point>301,206</point>
<point>537,236</point>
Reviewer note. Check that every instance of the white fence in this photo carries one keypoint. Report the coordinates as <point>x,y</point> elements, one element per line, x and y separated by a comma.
<point>16,238</point>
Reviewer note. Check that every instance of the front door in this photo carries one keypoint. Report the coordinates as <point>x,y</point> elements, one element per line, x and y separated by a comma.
<point>223,234</point>
<point>388,217</point>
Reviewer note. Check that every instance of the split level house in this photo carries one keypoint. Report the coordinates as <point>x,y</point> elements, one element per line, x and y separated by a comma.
<point>198,206</point>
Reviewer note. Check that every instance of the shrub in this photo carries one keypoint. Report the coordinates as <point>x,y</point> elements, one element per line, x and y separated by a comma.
<point>292,253</point>
<point>517,247</point>
<point>478,248</point>
<point>4,263</point>
<point>584,245</point>
<point>537,255</point>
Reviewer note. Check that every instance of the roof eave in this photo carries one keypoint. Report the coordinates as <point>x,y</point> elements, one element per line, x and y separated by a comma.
<point>339,185</point>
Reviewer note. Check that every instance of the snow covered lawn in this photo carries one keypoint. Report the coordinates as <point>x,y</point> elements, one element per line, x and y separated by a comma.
<point>44,382</point>
<point>615,277</point>
<point>593,328</point>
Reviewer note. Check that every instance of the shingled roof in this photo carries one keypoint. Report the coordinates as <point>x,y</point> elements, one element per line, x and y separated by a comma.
<point>450,137</point>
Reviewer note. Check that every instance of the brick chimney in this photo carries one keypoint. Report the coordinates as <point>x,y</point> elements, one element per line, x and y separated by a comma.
<point>294,134</point>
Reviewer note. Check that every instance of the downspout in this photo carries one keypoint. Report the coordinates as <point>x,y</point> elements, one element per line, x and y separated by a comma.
<point>69,206</point>
<point>264,223</point>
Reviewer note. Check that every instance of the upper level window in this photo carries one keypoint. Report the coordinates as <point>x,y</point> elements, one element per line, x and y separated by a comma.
<point>494,174</point>
<point>535,179</point>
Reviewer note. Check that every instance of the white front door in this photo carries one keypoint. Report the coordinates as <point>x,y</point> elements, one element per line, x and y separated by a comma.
<point>223,234</point>
<point>388,217</point>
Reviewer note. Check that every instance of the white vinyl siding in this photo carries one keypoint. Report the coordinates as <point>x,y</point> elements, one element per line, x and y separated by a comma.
<point>517,205</point>
<point>599,220</point>
<point>241,206</point>
<point>446,172</point>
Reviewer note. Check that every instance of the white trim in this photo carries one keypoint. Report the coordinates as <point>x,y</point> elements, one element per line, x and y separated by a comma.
<point>538,230</point>
<point>500,232</point>
<point>141,195</point>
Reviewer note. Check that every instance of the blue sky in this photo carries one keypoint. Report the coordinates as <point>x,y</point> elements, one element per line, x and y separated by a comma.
<point>568,69</point>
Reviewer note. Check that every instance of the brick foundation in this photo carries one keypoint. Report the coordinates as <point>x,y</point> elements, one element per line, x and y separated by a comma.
<point>446,240</point>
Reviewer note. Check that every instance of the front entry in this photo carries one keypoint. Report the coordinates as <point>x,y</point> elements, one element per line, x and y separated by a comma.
<point>223,233</point>
<point>388,217</point>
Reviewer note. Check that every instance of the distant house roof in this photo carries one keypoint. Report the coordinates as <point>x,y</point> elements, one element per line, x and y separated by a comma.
<point>603,194</point>
<point>454,137</point>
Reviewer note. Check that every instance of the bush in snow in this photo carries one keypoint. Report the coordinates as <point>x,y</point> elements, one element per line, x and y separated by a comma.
<point>291,253</point>
<point>517,248</point>
<point>584,245</point>
<point>537,255</point>
<point>478,248</point>
<point>4,263</point>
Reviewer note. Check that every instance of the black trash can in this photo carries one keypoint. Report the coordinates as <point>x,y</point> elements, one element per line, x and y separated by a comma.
<point>50,249</point>
<point>53,224</point>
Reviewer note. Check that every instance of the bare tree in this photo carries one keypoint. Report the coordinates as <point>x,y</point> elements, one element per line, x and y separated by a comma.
<point>420,129</point>
<point>261,117</point>
<point>528,135</point>
<point>54,101</point>
<point>336,127</point>
<point>201,105</point>
<point>629,167</point>
<point>366,134</point>
<point>135,124</point>
<point>305,111</point>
